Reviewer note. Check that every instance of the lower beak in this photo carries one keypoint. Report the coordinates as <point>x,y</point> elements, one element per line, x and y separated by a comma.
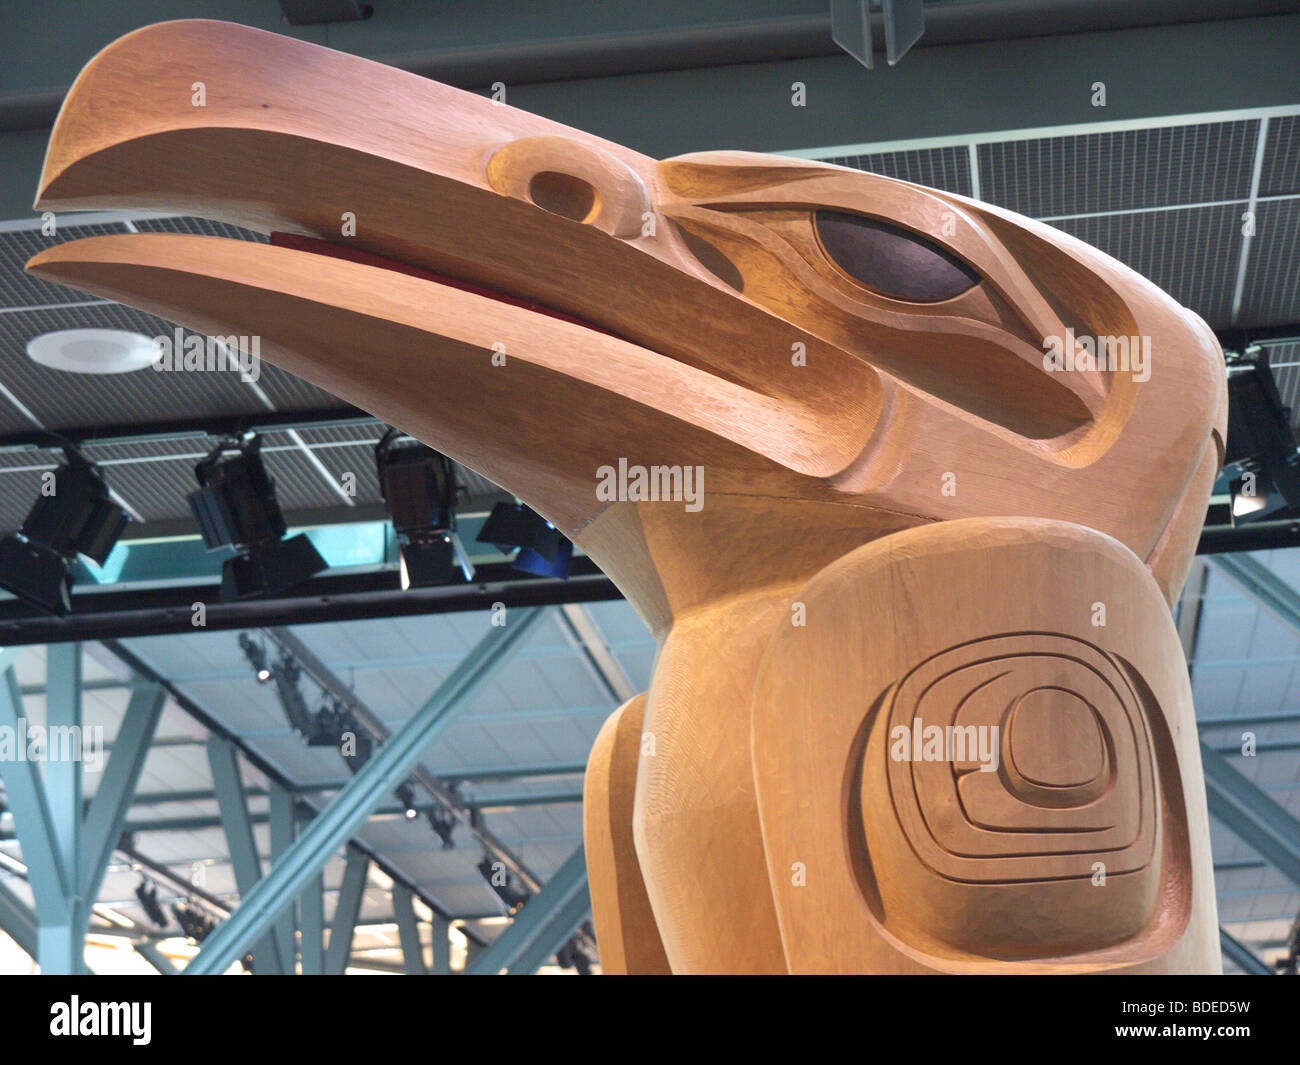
<point>535,402</point>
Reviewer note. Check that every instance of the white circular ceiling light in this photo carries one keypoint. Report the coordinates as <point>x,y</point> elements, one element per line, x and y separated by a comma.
<point>93,351</point>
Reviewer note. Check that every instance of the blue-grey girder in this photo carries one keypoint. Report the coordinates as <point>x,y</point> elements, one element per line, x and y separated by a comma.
<point>1242,955</point>
<point>538,913</point>
<point>1248,811</point>
<point>346,812</point>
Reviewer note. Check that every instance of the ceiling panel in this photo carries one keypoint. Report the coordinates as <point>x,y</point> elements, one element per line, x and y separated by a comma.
<point>1272,292</point>
<point>1280,173</point>
<point>1192,254</point>
<point>940,168</point>
<point>1121,170</point>
<point>21,289</point>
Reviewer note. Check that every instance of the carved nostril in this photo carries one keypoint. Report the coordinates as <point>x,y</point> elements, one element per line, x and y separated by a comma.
<point>573,180</point>
<point>563,194</point>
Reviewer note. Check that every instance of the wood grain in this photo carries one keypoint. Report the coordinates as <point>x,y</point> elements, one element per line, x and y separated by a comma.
<point>910,475</point>
<point>620,909</point>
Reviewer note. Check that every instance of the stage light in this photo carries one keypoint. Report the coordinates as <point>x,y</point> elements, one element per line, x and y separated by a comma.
<point>543,549</point>
<point>195,924</point>
<point>147,892</point>
<point>443,823</point>
<point>76,517</point>
<point>572,956</point>
<point>406,796</point>
<point>502,882</point>
<point>256,655</point>
<point>1261,457</point>
<point>236,506</point>
<point>419,488</point>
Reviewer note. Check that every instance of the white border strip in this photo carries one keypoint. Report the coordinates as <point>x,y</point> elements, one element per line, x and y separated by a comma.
<point>1041,132</point>
<point>86,218</point>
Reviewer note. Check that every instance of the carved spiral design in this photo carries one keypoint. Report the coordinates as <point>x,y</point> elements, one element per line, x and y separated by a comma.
<point>1019,758</point>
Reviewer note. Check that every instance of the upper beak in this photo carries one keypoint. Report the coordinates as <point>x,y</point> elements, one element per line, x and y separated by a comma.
<point>568,338</point>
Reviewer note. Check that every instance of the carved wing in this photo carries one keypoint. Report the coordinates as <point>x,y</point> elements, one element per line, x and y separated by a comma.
<point>978,751</point>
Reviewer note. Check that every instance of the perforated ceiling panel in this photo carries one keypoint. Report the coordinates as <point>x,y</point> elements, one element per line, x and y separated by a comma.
<point>1280,173</point>
<point>1192,254</point>
<point>940,168</point>
<point>1120,171</point>
<point>1272,290</point>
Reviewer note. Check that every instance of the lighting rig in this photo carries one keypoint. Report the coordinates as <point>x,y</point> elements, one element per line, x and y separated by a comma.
<point>572,956</point>
<point>1261,460</point>
<point>419,487</point>
<point>147,893</point>
<point>543,549</point>
<point>503,883</point>
<point>236,506</point>
<point>195,924</point>
<point>73,515</point>
<point>443,823</point>
<point>332,724</point>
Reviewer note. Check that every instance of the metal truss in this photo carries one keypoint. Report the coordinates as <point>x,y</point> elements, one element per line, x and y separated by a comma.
<point>348,810</point>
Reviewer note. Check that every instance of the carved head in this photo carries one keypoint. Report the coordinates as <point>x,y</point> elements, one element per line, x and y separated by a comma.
<point>540,303</point>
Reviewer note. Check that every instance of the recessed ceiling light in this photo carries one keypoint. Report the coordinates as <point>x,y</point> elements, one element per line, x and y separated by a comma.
<point>93,350</point>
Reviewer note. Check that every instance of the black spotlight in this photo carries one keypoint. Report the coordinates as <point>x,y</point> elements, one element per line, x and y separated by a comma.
<point>503,884</point>
<point>195,924</point>
<point>236,507</point>
<point>406,796</point>
<point>543,549</point>
<point>77,517</point>
<point>443,823</point>
<point>147,893</point>
<point>1261,445</point>
<point>419,486</point>
<point>256,656</point>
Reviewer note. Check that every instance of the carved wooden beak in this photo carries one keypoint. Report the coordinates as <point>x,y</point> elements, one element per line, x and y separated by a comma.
<point>495,283</point>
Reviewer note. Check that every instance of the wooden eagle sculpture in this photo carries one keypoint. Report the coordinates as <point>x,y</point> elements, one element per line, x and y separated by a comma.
<point>904,484</point>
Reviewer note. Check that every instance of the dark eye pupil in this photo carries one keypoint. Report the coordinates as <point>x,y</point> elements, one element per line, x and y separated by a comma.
<point>891,260</point>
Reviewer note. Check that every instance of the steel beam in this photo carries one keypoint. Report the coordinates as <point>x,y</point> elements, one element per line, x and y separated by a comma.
<point>311,909</point>
<point>1263,585</point>
<point>283,826</point>
<point>1248,811</point>
<point>346,812</point>
<point>239,840</point>
<point>506,801</point>
<point>537,916</point>
<point>63,774</point>
<point>62,947</point>
<point>558,931</point>
<point>18,921</point>
<point>441,947</point>
<point>115,615</point>
<point>435,785</point>
<point>150,953</point>
<point>1242,955</point>
<point>33,821</point>
<point>347,908</point>
<point>107,812</point>
<point>408,929</point>
<point>584,633</point>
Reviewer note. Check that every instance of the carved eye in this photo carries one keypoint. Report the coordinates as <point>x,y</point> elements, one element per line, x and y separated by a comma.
<point>890,260</point>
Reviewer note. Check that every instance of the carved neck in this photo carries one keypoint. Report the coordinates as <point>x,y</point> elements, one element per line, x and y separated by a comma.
<point>755,550</point>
